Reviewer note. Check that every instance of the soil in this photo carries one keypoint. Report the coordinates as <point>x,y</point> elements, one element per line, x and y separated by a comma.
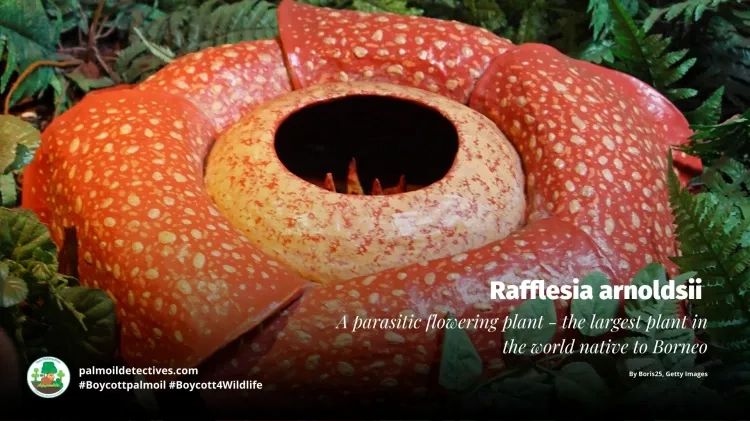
<point>49,390</point>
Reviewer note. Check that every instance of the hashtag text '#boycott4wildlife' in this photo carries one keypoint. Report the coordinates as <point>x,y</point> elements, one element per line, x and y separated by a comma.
<point>172,385</point>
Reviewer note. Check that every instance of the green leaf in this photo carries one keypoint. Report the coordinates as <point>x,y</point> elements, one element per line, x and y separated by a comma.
<point>724,52</point>
<point>533,309</point>
<point>650,308</point>
<point>162,53</point>
<point>486,13</point>
<point>713,236</point>
<point>194,27</point>
<point>597,52</point>
<point>460,363</point>
<point>389,6</point>
<point>646,57</point>
<point>25,240</point>
<point>596,307</point>
<point>601,21</point>
<point>682,278</point>
<point>728,139</point>
<point>29,36</point>
<point>650,273</point>
<point>13,291</point>
<point>690,10</point>
<point>86,84</point>
<point>578,383</point>
<point>709,112</point>
<point>8,190</point>
<point>19,141</point>
<point>677,361</point>
<point>82,326</point>
<point>532,23</point>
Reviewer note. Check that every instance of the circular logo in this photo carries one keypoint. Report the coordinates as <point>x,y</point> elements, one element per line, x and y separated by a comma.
<point>48,377</point>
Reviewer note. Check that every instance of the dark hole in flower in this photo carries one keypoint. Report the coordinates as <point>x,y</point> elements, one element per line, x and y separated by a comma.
<point>68,255</point>
<point>364,143</point>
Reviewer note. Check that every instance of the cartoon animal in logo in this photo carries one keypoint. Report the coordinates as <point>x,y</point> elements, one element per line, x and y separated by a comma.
<point>47,377</point>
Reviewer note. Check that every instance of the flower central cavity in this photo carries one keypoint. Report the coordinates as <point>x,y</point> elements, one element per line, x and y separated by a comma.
<point>367,144</point>
<point>426,177</point>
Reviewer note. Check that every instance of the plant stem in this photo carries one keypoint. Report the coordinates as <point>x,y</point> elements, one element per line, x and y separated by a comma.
<point>29,70</point>
<point>91,45</point>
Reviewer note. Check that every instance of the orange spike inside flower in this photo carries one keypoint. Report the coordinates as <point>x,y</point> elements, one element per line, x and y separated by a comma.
<point>328,184</point>
<point>377,189</point>
<point>353,186</point>
<point>399,188</point>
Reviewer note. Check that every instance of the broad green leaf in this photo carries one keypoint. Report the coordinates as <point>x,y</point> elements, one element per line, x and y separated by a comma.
<point>682,278</point>
<point>19,141</point>
<point>87,84</point>
<point>596,307</point>
<point>8,190</point>
<point>579,384</point>
<point>25,240</point>
<point>650,273</point>
<point>30,36</point>
<point>460,363</point>
<point>533,309</point>
<point>13,290</point>
<point>82,326</point>
<point>159,51</point>
<point>649,308</point>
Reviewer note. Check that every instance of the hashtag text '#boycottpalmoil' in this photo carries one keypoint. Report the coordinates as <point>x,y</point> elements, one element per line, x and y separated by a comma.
<point>174,385</point>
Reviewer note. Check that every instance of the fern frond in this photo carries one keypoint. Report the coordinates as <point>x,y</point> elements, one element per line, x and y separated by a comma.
<point>729,139</point>
<point>531,24</point>
<point>486,13</point>
<point>647,57</point>
<point>725,61</point>
<point>727,177</point>
<point>597,52</point>
<point>691,10</point>
<point>713,232</point>
<point>709,112</point>
<point>601,20</point>
<point>192,28</point>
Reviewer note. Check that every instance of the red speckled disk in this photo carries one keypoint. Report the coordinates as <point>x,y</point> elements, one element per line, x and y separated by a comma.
<point>225,82</point>
<point>594,149</point>
<point>323,45</point>
<point>330,237</point>
<point>125,170</point>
